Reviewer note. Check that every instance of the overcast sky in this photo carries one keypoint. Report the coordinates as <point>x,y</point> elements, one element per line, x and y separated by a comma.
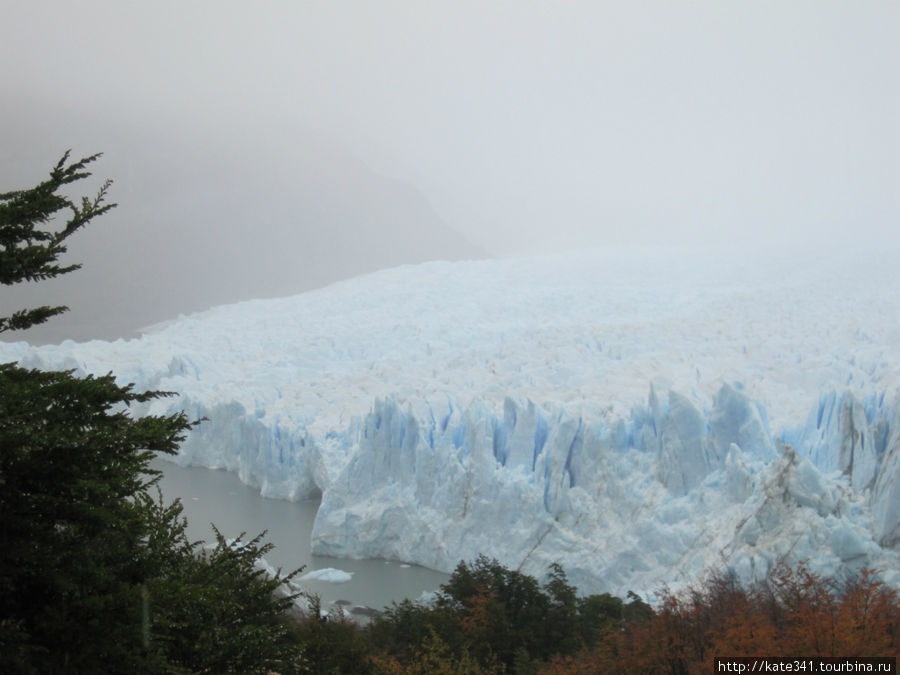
<point>527,125</point>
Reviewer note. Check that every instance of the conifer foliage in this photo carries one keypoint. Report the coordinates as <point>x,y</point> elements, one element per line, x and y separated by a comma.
<point>97,574</point>
<point>29,251</point>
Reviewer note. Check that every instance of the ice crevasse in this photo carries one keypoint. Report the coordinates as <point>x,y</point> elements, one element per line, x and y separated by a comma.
<point>642,417</point>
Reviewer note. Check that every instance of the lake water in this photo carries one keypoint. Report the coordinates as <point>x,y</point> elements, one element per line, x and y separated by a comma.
<point>218,497</point>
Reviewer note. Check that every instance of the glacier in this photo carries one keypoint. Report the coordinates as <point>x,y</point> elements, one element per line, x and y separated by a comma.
<point>643,417</point>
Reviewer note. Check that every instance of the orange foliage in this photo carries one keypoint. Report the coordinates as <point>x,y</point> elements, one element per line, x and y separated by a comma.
<point>868,618</point>
<point>796,613</point>
<point>476,621</point>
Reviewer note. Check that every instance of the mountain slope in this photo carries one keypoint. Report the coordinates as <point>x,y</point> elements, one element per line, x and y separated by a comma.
<point>200,223</point>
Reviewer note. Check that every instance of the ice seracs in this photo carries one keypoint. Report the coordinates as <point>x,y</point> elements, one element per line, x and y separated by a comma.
<point>640,417</point>
<point>646,501</point>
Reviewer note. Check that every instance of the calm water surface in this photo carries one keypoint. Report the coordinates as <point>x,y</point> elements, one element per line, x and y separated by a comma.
<point>218,497</point>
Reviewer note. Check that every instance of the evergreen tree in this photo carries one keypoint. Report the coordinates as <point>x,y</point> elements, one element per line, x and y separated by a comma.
<point>29,251</point>
<point>95,574</point>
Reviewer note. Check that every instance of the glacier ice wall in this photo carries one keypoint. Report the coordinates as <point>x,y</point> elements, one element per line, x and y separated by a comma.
<point>640,417</point>
<point>660,497</point>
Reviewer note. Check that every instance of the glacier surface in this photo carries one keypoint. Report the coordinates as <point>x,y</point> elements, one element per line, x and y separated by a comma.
<point>641,417</point>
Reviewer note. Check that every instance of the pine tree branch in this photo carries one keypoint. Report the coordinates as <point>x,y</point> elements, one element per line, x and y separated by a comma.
<point>29,317</point>
<point>29,251</point>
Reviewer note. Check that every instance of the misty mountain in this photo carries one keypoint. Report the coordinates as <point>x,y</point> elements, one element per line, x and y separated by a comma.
<point>204,221</point>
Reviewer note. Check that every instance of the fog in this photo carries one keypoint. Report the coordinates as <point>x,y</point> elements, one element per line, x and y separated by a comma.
<point>266,148</point>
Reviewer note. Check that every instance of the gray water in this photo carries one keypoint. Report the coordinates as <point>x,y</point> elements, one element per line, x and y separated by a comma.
<point>219,498</point>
